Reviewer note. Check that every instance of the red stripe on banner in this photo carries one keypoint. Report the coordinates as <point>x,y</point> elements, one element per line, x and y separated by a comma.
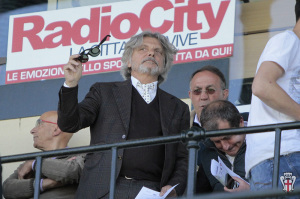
<point>205,53</point>
<point>110,65</point>
<point>51,72</point>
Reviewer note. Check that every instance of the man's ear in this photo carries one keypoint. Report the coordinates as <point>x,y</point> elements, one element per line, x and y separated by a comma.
<point>57,131</point>
<point>242,122</point>
<point>129,63</point>
<point>225,94</point>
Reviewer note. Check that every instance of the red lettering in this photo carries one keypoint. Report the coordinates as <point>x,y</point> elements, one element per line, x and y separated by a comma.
<point>145,22</point>
<point>64,33</point>
<point>20,33</point>
<point>105,22</point>
<point>116,25</point>
<point>92,23</point>
<point>194,7</point>
<point>179,17</point>
<point>214,22</point>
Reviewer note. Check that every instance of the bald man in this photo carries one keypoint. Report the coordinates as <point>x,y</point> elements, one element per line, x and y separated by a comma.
<point>207,84</point>
<point>60,175</point>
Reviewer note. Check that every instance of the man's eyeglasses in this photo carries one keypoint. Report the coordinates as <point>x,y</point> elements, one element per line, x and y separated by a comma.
<point>40,121</point>
<point>208,91</point>
<point>94,51</point>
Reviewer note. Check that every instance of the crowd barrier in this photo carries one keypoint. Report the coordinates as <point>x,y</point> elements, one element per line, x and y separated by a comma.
<point>191,138</point>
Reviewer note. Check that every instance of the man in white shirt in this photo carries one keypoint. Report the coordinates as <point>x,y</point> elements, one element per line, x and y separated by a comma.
<point>275,99</point>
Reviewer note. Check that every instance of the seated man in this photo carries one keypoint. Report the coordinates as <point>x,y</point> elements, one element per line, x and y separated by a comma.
<point>221,114</point>
<point>60,175</point>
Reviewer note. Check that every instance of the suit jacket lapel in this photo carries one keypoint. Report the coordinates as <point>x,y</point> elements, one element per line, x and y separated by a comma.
<point>122,93</point>
<point>167,109</point>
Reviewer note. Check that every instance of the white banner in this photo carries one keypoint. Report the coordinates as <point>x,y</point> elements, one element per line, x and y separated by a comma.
<point>39,44</point>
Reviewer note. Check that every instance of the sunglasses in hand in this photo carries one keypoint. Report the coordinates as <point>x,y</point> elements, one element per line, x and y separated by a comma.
<point>94,51</point>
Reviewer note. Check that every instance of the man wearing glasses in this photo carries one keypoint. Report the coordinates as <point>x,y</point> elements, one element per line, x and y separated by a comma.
<point>206,85</point>
<point>60,175</point>
<point>133,109</point>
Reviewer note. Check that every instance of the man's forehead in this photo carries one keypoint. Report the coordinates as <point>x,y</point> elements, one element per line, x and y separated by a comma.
<point>49,116</point>
<point>205,79</point>
<point>150,39</point>
<point>204,86</point>
<point>44,117</point>
<point>215,139</point>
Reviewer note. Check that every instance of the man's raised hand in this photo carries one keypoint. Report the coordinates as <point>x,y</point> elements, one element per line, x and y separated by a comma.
<point>73,71</point>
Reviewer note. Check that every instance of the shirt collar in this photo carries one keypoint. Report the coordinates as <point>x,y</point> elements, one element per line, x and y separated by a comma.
<point>196,119</point>
<point>134,82</point>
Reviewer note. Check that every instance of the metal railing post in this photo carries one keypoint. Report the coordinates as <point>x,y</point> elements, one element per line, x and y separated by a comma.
<point>38,168</point>
<point>193,147</point>
<point>276,157</point>
<point>114,151</point>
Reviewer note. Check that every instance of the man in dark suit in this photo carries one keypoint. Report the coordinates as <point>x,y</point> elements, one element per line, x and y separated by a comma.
<point>221,114</point>
<point>120,111</point>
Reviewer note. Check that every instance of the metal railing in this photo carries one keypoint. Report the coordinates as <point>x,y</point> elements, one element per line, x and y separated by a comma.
<point>191,138</point>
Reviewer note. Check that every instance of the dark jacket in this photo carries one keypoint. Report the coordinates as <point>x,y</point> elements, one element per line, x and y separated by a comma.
<point>106,109</point>
<point>204,176</point>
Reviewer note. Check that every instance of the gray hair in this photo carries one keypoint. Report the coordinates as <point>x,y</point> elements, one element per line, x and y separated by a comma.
<point>136,41</point>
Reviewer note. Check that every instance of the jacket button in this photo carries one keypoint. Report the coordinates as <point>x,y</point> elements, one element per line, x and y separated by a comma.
<point>123,136</point>
<point>120,157</point>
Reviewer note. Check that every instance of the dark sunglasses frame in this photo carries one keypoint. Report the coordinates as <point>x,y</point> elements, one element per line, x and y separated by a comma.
<point>208,91</point>
<point>94,51</point>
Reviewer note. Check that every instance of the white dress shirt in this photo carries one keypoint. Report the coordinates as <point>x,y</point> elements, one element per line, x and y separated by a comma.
<point>152,92</point>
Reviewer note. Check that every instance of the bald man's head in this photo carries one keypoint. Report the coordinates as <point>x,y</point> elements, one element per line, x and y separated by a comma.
<point>47,135</point>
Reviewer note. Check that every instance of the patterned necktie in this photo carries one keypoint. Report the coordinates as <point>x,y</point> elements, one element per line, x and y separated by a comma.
<point>146,91</point>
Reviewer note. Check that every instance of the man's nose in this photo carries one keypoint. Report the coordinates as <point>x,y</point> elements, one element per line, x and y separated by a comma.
<point>225,146</point>
<point>151,52</point>
<point>32,130</point>
<point>204,95</point>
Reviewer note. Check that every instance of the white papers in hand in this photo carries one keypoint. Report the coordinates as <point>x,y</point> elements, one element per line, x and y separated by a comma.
<point>220,170</point>
<point>146,193</point>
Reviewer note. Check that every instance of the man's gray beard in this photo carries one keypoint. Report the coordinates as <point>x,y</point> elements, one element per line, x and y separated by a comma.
<point>153,71</point>
<point>156,71</point>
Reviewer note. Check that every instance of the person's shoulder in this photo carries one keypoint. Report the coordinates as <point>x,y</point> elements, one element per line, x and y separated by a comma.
<point>168,95</point>
<point>207,146</point>
<point>285,37</point>
<point>242,150</point>
<point>165,93</point>
<point>282,34</point>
